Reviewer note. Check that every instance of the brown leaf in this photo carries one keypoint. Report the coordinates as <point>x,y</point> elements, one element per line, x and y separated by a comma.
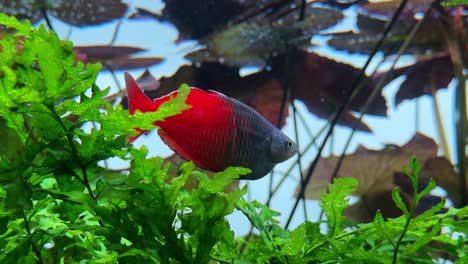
<point>372,19</point>
<point>427,73</point>
<point>320,83</point>
<point>131,63</point>
<point>428,38</point>
<point>374,169</point>
<point>88,12</point>
<point>388,8</point>
<point>142,14</point>
<point>365,209</point>
<point>442,171</point>
<point>98,53</point>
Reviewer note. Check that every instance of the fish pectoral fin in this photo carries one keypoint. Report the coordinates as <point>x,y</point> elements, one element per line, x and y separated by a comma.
<point>169,141</point>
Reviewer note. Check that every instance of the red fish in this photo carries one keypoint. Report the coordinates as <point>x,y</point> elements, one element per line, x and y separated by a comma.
<point>217,132</point>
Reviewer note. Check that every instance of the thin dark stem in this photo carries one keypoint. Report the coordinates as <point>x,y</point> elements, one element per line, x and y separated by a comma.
<point>306,127</point>
<point>306,149</point>
<point>37,251</point>
<point>272,5</point>
<point>408,220</point>
<point>114,76</point>
<point>298,153</point>
<point>116,32</point>
<point>47,19</point>
<point>303,9</point>
<point>454,33</point>
<point>278,124</point>
<point>416,114</point>
<point>74,153</point>
<point>377,89</point>
<point>354,90</point>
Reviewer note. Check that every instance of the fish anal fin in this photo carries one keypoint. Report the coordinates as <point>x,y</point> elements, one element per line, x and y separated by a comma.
<point>133,138</point>
<point>169,141</point>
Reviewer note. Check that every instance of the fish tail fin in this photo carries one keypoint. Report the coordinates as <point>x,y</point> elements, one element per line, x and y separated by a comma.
<point>137,100</point>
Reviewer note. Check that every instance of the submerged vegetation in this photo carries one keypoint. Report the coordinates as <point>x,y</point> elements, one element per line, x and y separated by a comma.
<point>60,202</point>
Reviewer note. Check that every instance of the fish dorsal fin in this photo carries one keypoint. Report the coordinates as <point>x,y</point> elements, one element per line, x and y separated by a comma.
<point>137,100</point>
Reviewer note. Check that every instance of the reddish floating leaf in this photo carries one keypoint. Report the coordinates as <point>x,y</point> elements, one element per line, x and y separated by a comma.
<point>388,8</point>
<point>319,83</point>
<point>426,39</point>
<point>142,13</point>
<point>131,63</point>
<point>98,53</point>
<point>88,12</point>
<point>428,73</point>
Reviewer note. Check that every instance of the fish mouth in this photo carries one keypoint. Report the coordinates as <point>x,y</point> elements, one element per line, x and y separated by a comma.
<point>293,151</point>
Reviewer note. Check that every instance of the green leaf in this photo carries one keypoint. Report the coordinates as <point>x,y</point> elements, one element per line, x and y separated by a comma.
<point>399,201</point>
<point>454,2</point>
<point>431,186</point>
<point>415,167</point>
<point>384,228</point>
<point>19,194</point>
<point>422,240</point>
<point>335,201</point>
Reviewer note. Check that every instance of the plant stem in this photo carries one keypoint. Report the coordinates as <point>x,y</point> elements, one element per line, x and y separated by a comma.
<point>440,122</point>
<point>28,230</point>
<point>405,229</point>
<point>454,34</point>
<point>355,88</point>
<point>415,182</point>
<point>74,153</point>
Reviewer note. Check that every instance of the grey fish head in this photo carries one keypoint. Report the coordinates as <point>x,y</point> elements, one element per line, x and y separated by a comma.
<point>282,147</point>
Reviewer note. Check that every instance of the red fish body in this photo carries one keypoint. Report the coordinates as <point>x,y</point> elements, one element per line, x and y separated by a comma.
<point>217,132</point>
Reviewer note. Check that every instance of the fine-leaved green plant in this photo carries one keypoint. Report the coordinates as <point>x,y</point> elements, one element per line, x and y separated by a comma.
<point>57,203</point>
<point>424,238</point>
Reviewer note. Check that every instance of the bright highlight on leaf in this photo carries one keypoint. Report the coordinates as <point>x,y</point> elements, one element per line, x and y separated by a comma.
<point>334,201</point>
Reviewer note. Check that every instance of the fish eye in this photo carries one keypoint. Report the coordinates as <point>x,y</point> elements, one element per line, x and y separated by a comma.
<point>289,144</point>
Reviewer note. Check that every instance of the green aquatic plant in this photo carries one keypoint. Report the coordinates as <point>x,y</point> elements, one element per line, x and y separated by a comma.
<point>58,204</point>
